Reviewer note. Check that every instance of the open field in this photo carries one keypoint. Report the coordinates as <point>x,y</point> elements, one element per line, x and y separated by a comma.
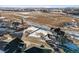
<point>51,19</point>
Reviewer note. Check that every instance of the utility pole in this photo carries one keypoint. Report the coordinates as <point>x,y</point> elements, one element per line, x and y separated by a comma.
<point>22,20</point>
<point>0,14</point>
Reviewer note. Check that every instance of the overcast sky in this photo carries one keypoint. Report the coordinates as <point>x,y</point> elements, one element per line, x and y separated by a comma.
<point>38,3</point>
<point>44,6</point>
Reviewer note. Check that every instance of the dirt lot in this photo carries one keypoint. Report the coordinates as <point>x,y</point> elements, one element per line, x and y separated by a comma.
<point>51,19</point>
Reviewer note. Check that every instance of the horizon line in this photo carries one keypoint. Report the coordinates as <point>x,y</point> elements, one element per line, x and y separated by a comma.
<point>40,6</point>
